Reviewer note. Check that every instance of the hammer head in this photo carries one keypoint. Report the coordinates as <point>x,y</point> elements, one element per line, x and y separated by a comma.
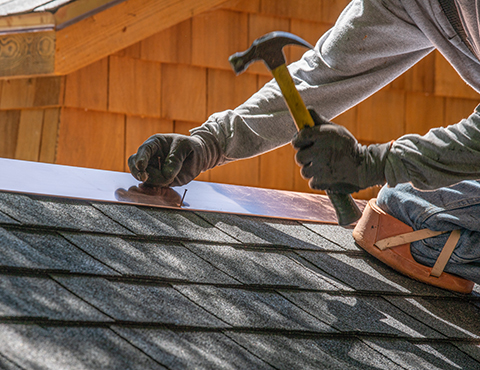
<point>268,48</point>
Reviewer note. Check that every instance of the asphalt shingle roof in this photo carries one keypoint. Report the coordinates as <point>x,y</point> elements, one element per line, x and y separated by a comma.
<point>90,285</point>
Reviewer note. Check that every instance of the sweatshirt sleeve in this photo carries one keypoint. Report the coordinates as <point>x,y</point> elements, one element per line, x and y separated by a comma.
<point>442,157</point>
<point>372,43</point>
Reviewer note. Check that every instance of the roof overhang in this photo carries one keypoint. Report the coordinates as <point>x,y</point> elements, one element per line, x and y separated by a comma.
<point>62,40</point>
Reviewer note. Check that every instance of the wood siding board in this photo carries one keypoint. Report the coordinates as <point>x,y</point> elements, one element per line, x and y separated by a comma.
<point>184,92</point>
<point>331,9</point>
<point>120,26</point>
<point>139,129</point>
<point>458,109</point>
<point>381,117</point>
<point>239,89</point>
<point>91,139</point>
<point>216,36</point>
<point>134,87</point>
<point>49,91</point>
<point>277,168</point>
<point>18,93</point>
<point>423,112</point>
<point>88,87</point>
<point>448,82</point>
<point>48,145</point>
<point>29,135</point>
<point>132,51</point>
<point>309,31</point>
<point>259,25</point>
<point>9,126</point>
<point>173,45</point>
<point>300,9</point>
<point>247,6</point>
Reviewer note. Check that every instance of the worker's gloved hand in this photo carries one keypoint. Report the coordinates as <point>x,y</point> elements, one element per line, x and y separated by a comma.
<point>172,159</point>
<point>332,159</point>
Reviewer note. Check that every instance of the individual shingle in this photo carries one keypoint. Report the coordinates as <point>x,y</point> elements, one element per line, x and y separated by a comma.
<point>453,318</point>
<point>266,231</point>
<point>243,308</point>
<point>43,297</point>
<point>423,356</point>
<point>257,267</point>
<point>303,353</point>
<point>365,273</point>
<point>74,348</point>
<point>49,251</point>
<point>58,213</point>
<point>164,223</point>
<point>141,303</point>
<point>360,314</point>
<point>191,350</point>
<point>4,219</point>
<point>6,364</point>
<point>154,259</point>
<point>336,234</point>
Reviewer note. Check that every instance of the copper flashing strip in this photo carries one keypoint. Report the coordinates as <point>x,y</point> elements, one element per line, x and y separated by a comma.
<point>119,187</point>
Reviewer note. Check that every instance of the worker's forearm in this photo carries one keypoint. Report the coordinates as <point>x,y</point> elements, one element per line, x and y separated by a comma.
<point>442,157</point>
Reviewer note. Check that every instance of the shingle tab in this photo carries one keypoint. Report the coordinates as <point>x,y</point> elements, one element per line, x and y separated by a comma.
<point>303,353</point>
<point>371,314</point>
<point>58,213</point>
<point>33,347</point>
<point>160,304</point>
<point>43,297</point>
<point>4,219</point>
<point>341,236</point>
<point>253,309</point>
<point>259,230</point>
<point>257,267</point>
<point>51,251</point>
<point>154,259</point>
<point>192,350</point>
<point>164,223</point>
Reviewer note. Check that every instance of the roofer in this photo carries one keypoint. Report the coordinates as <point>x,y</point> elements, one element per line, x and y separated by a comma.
<point>372,43</point>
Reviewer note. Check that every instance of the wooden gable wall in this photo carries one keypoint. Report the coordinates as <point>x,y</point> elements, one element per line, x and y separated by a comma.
<point>97,116</point>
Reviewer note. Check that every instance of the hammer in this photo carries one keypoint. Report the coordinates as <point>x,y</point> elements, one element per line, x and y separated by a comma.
<point>269,49</point>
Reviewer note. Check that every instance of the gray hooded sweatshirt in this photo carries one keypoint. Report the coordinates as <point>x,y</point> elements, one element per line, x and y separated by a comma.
<point>372,43</point>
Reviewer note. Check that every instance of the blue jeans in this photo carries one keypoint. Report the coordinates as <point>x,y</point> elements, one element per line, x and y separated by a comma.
<point>446,209</point>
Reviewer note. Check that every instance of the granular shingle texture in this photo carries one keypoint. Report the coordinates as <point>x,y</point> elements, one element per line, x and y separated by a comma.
<point>108,286</point>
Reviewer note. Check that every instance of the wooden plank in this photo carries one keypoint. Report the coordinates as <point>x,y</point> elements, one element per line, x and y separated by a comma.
<point>247,6</point>
<point>309,31</point>
<point>10,120</point>
<point>91,139</point>
<point>277,168</point>
<point>49,91</point>
<point>120,26</point>
<point>448,82</point>
<point>27,22</point>
<point>239,89</point>
<point>458,109</point>
<point>423,112</point>
<point>139,129</point>
<point>88,87</point>
<point>78,9</point>
<point>173,45</point>
<point>381,118</point>
<point>300,9</point>
<point>212,46</point>
<point>132,51</point>
<point>27,54</point>
<point>29,135</point>
<point>48,145</point>
<point>134,86</point>
<point>184,91</point>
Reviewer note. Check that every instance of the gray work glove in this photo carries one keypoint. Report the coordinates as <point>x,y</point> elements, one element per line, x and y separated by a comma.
<point>172,159</point>
<point>332,159</point>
